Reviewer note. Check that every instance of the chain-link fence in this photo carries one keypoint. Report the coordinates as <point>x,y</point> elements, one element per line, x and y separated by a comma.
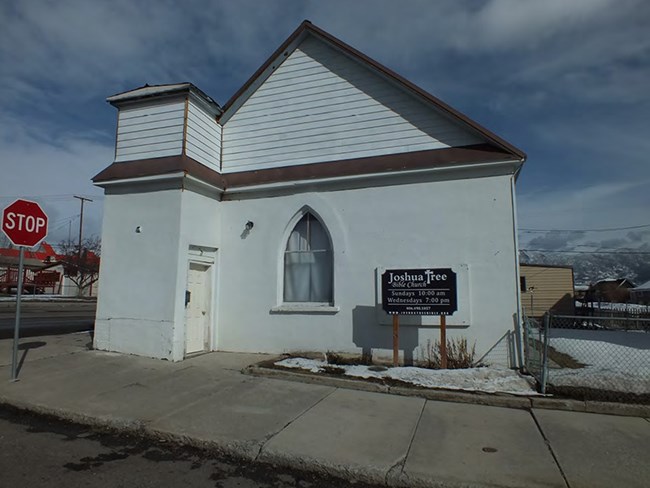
<point>590,358</point>
<point>534,344</point>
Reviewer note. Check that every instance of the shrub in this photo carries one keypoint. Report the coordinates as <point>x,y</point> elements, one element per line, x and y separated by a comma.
<point>459,355</point>
<point>333,369</point>
<point>348,359</point>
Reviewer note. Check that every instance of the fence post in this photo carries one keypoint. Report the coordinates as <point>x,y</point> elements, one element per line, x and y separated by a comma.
<point>544,379</point>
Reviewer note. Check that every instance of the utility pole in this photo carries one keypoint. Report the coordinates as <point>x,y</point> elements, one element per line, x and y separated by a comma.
<point>81,223</point>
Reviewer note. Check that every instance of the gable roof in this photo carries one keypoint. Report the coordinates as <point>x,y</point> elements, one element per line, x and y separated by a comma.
<point>643,287</point>
<point>42,257</point>
<point>307,28</point>
<point>619,282</point>
<point>493,150</point>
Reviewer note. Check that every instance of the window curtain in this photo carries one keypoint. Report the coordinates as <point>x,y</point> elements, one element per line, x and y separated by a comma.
<point>308,263</point>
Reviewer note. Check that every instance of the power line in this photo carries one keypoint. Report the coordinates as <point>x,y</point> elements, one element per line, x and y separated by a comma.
<point>61,197</point>
<point>586,252</point>
<point>585,230</point>
<point>60,224</point>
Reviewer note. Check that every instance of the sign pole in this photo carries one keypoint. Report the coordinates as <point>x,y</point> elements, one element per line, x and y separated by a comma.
<point>443,341</point>
<point>19,292</point>
<point>395,340</point>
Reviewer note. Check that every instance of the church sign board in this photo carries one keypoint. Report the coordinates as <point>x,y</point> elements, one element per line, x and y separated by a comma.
<point>427,291</point>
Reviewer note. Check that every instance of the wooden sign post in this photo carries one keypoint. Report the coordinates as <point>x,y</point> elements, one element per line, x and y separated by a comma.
<point>443,341</point>
<point>395,340</point>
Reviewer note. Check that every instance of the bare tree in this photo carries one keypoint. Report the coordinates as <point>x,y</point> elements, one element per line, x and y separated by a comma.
<point>81,265</point>
<point>4,241</point>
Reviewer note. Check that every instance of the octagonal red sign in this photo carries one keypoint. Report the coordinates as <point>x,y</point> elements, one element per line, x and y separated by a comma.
<point>24,223</point>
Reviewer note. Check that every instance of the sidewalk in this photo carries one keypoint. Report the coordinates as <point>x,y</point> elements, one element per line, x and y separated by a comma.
<point>404,441</point>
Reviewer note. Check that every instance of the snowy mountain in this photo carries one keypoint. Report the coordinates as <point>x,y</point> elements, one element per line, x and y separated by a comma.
<point>590,268</point>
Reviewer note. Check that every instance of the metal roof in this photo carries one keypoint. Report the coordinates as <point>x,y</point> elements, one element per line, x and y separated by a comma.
<point>643,286</point>
<point>152,91</point>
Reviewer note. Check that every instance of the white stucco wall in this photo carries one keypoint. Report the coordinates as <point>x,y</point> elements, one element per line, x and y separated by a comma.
<point>145,273</point>
<point>445,223</point>
<point>199,227</point>
<point>138,273</point>
<point>437,224</point>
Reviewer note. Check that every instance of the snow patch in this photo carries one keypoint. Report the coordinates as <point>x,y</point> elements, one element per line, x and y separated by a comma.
<point>614,360</point>
<point>488,380</point>
<point>617,307</point>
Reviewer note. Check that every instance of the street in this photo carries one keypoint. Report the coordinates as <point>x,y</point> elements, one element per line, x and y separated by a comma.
<point>43,452</point>
<point>46,318</point>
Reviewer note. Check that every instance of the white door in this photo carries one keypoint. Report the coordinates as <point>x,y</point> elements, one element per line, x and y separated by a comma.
<point>197,308</point>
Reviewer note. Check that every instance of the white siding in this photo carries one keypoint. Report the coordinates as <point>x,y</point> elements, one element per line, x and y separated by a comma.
<point>319,106</point>
<point>203,137</point>
<point>150,131</point>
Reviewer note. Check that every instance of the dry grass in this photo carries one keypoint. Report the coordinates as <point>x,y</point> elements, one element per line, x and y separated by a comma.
<point>459,355</point>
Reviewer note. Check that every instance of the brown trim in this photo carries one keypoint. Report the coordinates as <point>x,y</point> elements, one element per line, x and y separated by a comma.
<point>307,26</point>
<point>475,154</point>
<point>562,266</point>
<point>368,165</point>
<point>117,131</point>
<point>187,106</point>
<point>159,166</point>
<point>216,121</point>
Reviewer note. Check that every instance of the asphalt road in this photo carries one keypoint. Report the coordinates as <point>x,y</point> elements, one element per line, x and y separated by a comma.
<point>44,452</point>
<point>47,318</point>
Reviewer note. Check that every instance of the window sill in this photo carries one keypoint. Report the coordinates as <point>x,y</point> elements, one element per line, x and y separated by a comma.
<point>307,308</point>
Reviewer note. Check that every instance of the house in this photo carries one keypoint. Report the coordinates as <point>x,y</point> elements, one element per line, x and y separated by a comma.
<point>44,272</point>
<point>580,292</point>
<point>546,288</point>
<point>611,290</point>
<point>641,294</point>
<point>264,225</point>
<point>40,270</point>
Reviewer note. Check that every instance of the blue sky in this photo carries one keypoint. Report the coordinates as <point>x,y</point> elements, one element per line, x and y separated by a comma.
<point>566,81</point>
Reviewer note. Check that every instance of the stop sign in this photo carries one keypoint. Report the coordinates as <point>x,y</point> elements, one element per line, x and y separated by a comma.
<point>24,223</point>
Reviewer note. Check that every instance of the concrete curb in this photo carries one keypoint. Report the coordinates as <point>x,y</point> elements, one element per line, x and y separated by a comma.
<point>111,423</point>
<point>134,427</point>
<point>357,473</point>
<point>246,451</point>
<point>494,400</point>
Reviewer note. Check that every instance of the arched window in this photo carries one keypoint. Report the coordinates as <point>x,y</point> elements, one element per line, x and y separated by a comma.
<point>308,265</point>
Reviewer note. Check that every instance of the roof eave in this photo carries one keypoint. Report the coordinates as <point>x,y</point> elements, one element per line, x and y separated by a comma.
<point>186,88</point>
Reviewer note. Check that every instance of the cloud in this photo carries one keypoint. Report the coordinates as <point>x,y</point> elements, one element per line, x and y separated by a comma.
<point>80,46</point>
<point>505,25</point>
<point>564,80</point>
<point>50,172</point>
<point>582,216</point>
<point>614,241</point>
<point>554,240</point>
<point>605,205</point>
<point>638,236</point>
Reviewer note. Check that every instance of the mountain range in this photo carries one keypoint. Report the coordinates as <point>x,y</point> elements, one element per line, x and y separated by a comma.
<point>591,267</point>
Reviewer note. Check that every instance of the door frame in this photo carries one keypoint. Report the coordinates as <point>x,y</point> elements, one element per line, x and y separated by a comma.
<point>205,256</point>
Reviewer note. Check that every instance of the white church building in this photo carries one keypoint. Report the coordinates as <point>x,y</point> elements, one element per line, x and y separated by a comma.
<point>264,225</point>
